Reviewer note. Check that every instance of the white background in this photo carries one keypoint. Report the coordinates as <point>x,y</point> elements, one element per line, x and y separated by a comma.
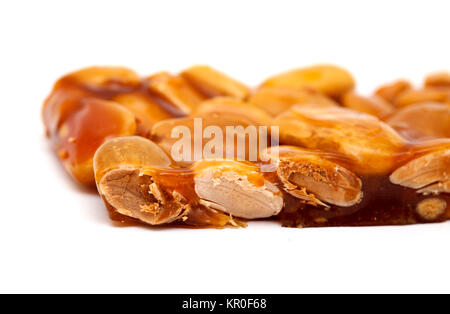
<point>55,236</point>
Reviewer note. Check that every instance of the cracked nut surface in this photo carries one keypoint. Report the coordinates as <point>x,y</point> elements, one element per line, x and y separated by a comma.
<point>237,188</point>
<point>126,172</point>
<point>312,177</point>
<point>391,91</point>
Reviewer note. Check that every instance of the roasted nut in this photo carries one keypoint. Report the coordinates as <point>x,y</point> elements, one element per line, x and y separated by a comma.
<point>421,121</point>
<point>274,100</point>
<point>310,176</point>
<point>428,172</point>
<point>232,108</point>
<point>424,95</point>
<point>216,132</point>
<point>236,188</point>
<point>85,130</point>
<point>391,91</point>
<point>441,79</point>
<point>213,83</point>
<point>431,208</point>
<point>112,78</point>
<point>375,106</point>
<point>370,143</point>
<point>328,79</point>
<point>180,97</point>
<point>146,110</point>
<point>126,172</point>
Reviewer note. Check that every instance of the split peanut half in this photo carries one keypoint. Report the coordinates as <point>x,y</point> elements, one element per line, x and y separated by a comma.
<point>126,173</point>
<point>313,176</point>
<point>237,188</point>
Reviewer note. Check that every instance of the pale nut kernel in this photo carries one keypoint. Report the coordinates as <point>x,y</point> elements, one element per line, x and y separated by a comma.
<point>431,208</point>
<point>237,188</point>
<point>370,143</point>
<point>422,120</point>
<point>275,100</point>
<point>375,105</point>
<point>125,172</point>
<point>213,83</point>
<point>424,171</point>
<point>327,79</point>
<point>312,176</point>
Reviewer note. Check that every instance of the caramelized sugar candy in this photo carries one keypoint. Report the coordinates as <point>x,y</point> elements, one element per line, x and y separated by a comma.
<point>400,181</point>
<point>346,168</point>
<point>137,179</point>
<point>374,105</point>
<point>78,122</point>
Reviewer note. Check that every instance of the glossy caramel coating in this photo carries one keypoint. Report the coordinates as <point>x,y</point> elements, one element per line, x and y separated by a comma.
<point>275,100</point>
<point>77,121</point>
<point>330,80</point>
<point>138,180</point>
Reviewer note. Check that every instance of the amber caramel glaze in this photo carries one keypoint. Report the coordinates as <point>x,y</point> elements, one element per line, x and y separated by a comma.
<point>76,130</point>
<point>383,203</point>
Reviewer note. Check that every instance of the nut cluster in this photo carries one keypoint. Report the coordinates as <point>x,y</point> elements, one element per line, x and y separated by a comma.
<point>342,159</point>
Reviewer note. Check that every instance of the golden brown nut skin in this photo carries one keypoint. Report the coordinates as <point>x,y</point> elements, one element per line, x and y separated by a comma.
<point>423,95</point>
<point>375,106</point>
<point>236,187</point>
<point>314,176</point>
<point>85,130</point>
<point>370,143</point>
<point>330,80</point>
<point>391,91</point>
<point>422,121</point>
<point>219,114</point>
<point>275,100</point>
<point>441,79</point>
<point>138,180</point>
<point>213,83</point>
<point>78,119</point>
